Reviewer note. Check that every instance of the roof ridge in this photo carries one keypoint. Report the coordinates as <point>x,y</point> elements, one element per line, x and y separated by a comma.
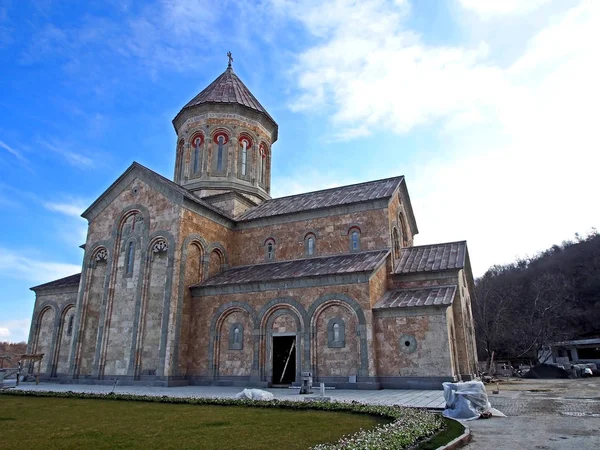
<point>247,215</point>
<point>435,245</point>
<point>57,280</point>
<point>333,188</point>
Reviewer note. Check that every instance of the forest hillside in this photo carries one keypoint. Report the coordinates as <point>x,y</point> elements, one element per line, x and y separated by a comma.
<point>550,297</point>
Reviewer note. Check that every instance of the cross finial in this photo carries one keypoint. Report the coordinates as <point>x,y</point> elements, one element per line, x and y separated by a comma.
<point>230,59</point>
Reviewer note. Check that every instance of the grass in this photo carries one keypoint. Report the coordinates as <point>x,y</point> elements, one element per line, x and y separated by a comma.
<point>452,430</point>
<point>37,422</point>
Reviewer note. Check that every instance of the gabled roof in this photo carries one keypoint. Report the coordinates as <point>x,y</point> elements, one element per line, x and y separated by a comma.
<point>299,268</point>
<point>71,280</point>
<point>228,88</point>
<point>167,184</point>
<point>412,298</point>
<point>344,195</point>
<point>432,258</point>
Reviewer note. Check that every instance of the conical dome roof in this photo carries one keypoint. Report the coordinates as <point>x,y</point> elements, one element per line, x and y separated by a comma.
<point>228,88</point>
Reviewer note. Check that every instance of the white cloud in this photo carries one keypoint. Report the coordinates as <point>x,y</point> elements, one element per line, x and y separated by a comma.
<point>520,141</point>
<point>73,158</point>
<point>69,209</point>
<point>15,330</point>
<point>74,230</point>
<point>33,268</point>
<point>12,151</point>
<point>492,8</point>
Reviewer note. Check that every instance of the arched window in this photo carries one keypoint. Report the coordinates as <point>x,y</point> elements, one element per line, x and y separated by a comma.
<point>403,232</point>
<point>336,333</point>
<point>262,170</point>
<point>354,237</point>
<point>220,154</point>
<point>215,262</point>
<point>245,145</point>
<point>270,249</point>
<point>179,172</point>
<point>196,144</point>
<point>221,141</point>
<point>130,258</point>
<point>396,243</point>
<point>70,326</point>
<point>310,244</point>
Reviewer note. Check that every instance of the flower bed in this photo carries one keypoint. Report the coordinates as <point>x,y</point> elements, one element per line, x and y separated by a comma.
<point>408,427</point>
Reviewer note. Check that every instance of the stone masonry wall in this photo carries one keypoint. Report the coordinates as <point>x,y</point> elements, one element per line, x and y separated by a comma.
<point>149,356</point>
<point>138,213</point>
<point>234,126</point>
<point>204,310</point>
<point>235,360</point>
<point>332,359</point>
<point>378,283</point>
<point>64,339</point>
<point>198,235</point>
<point>92,304</point>
<point>428,354</point>
<point>48,334</point>
<point>331,237</point>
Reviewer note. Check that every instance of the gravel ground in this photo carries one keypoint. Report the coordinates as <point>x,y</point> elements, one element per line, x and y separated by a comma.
<point>542,414</point>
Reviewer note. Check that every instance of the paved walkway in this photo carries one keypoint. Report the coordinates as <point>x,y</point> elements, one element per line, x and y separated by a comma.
<point>542,414</point>
<point>402,397</point>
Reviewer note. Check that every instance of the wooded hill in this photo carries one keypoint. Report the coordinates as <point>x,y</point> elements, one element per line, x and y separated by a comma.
<point>550,297</point>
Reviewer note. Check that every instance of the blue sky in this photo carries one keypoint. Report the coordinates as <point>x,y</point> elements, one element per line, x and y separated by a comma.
<point>489,108</point>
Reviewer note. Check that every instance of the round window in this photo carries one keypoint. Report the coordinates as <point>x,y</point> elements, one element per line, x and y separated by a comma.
<point>408,343</point>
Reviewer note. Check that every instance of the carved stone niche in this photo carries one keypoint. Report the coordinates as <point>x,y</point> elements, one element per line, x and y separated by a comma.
<point>160,246</point>
<point>101,255</point>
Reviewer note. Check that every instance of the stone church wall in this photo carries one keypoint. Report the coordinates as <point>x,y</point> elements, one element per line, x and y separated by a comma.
<point>284,310</point>
<point>126,315</point>
<point>331,233</point>
<point>199,238</point>
<point>49,329</point>
<point>412,343</point>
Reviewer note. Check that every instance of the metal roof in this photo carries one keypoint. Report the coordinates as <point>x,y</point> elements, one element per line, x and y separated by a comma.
<point>310,267</point>
<point>228,88</point>
<point>71,280</point>
<point>431,258</point>
<point>354,193</point>
<point>412,298</point>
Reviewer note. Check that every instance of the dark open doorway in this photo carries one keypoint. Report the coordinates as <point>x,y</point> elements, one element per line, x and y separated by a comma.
<point>284,360</point>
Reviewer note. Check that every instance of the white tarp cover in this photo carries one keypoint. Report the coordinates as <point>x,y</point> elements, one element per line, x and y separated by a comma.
<point>467,401</point>
<point>255,394</point>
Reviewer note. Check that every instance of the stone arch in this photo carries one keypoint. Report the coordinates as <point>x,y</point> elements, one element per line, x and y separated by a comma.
<point>152,312</point>
<point>220,166</point>
<point>193,268</point>
<point>66,331</point>
<point>216,259</point>
<point>91,304</point>
<point>46,322</point>
<point>244,162</point>
<point>180,160</point>
<point>121,317</point>
<point>230,360</point>
<point>263,164</point>
<point>268,314</point>
<point>404,241</point>
<point>354,309</point>
<point>215,334</point>
<point>194,157</point>
<point>395,243</point>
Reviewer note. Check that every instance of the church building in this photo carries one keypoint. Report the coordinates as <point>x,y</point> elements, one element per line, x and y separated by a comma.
<point>207,280</point>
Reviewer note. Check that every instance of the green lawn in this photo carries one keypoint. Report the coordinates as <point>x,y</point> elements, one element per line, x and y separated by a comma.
<point>31,423</point>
